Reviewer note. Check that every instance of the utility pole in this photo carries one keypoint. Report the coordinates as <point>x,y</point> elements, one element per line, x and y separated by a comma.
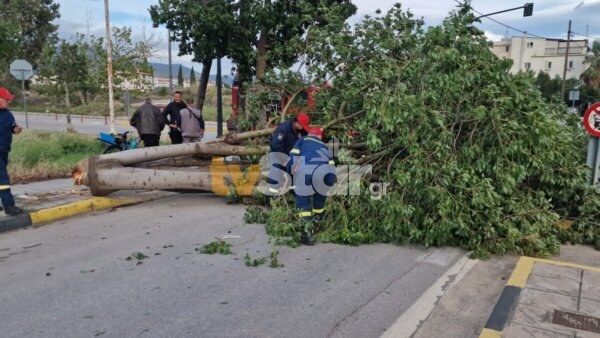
<point>219,100</point>
<point>523,46</point>
<point>111,103</point>
<point>170,71</point>
<point>562,87</point>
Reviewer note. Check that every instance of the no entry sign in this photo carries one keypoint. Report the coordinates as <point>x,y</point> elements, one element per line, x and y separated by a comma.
<point>591,119</point>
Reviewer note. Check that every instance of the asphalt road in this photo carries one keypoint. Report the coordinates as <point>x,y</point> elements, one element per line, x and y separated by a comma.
<point>72,279</point>
<point>89,126</point>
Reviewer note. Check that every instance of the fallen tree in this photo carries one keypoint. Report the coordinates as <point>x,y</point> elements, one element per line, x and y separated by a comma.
<point>473,156</point>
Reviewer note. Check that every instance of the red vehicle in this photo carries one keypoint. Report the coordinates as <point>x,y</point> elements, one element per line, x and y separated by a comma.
<point>304,103</point>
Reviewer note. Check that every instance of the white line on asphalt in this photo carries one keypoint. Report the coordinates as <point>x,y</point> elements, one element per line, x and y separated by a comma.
<point>409,322</point>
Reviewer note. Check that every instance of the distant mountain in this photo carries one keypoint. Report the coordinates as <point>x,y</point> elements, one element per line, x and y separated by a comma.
<point>162,70</point>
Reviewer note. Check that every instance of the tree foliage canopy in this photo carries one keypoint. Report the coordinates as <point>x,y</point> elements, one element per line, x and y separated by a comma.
<point>475,157</point>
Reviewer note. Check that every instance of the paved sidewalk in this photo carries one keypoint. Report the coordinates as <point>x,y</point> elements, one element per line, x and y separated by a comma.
<point>52,200</point>
<point>48,194</point>
<point>546,298</point>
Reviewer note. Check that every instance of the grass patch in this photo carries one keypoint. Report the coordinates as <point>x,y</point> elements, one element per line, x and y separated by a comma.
<point>37,156</point>
<point>219,247</point>
<point>209,113</point>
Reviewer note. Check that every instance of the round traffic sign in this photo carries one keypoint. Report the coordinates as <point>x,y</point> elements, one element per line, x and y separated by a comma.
<point>21,69</point>
<point>591,119</point>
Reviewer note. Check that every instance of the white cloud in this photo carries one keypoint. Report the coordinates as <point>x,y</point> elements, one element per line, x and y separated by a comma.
<point>492,36</point>
<point>550,18</point>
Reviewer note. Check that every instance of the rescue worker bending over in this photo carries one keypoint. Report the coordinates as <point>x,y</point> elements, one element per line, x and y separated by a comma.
<point>314,175</point>
<point>282,141</point>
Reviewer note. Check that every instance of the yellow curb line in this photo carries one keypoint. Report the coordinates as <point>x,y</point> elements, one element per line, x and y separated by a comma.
<point>518,279</point>
<point>488,333</point>
<point>521,273</point>
<point>81,207</point>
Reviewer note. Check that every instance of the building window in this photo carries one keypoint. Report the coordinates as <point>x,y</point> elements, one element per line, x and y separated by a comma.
<point>527,65</point>
<point>507,48</point>
<point>570,64</point>
<point>530,45</point>
<point>548,65</point>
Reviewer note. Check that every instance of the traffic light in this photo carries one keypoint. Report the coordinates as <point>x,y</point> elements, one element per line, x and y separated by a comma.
<point>528,9</point>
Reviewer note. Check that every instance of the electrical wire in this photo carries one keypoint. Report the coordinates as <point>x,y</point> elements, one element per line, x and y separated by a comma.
<point>587,36</point>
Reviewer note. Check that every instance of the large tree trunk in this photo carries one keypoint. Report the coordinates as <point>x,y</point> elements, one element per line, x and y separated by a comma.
<point>134,156</point>
<point>236,138</point>
<point>261,57</point>
<point>106,177</point>
<point>204,77</point>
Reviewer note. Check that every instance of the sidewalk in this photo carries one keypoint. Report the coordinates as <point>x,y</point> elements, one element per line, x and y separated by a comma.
<point>48,194</point>
<point>548,298</point>
<point>52,200</point>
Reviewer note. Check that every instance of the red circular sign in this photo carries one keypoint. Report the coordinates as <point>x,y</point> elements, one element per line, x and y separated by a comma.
<point>591,119</point>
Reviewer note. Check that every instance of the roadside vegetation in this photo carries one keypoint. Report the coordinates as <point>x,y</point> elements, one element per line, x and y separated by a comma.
<point>37,156</point>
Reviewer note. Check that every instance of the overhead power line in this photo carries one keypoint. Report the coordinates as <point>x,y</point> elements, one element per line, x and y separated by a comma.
<point>587,36</point>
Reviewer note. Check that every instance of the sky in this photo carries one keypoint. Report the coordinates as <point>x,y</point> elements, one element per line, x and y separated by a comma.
<point>550,19</point>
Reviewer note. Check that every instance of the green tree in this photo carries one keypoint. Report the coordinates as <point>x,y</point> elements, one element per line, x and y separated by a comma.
<point>473,156</point>
<point>202,28</point>
<point>591,76</point>
<point>192,77</point>
<point>550,88</point>
<point>180,76</point>
<point>65,67</point>
<point>33,20</point>
<point>256,34</point>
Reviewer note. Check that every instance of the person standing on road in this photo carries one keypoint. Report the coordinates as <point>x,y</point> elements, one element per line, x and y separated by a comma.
<point>8,127</point>
<point>314,174</point>
<point>173,118</point>
<point>149,123</point>
<point>282,142</point>
<point>192,124</point>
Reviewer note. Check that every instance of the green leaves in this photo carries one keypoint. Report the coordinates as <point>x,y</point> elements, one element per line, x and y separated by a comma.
<point>220,247</point>
<point>476,157</point>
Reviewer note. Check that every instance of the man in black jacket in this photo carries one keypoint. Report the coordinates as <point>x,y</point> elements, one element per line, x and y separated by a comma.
<point>172,117</point>
<point>149,123</point>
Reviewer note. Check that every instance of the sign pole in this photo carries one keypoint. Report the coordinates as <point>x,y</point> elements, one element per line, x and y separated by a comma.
<point>591,122</point>
<point>592,159</point>
<point>24,98</point>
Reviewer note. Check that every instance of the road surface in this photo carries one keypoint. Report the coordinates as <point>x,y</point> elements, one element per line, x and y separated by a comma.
<point>72,278</point>
<point>90,125</point>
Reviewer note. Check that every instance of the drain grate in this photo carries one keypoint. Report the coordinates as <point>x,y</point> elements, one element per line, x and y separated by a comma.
<point>576,321</point>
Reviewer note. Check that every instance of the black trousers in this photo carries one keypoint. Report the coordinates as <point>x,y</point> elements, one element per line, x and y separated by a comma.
<point>175,135</point>
<point>150,140</point>
<point>5,194</point>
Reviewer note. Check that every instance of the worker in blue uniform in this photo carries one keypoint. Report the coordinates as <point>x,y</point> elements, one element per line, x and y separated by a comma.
<point>282,141</point>
<point>314,174</point>
<point>8,127</point>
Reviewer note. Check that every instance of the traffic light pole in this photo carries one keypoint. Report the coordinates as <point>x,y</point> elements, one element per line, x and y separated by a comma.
<point>528,7</point>
<point>219,100</point>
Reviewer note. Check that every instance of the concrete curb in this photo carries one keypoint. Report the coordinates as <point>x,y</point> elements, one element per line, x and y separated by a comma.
<point>39,217</point>
<point>410,321</point>
<point>509,298</point>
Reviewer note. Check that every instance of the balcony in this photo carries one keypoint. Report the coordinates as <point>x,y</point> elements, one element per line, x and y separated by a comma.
<point>562,50</point>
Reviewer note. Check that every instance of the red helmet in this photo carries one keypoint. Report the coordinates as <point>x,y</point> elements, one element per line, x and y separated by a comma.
<point>316,131</point>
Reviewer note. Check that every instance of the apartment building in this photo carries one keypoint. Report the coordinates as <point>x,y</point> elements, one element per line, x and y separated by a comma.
<point>548,55</point>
